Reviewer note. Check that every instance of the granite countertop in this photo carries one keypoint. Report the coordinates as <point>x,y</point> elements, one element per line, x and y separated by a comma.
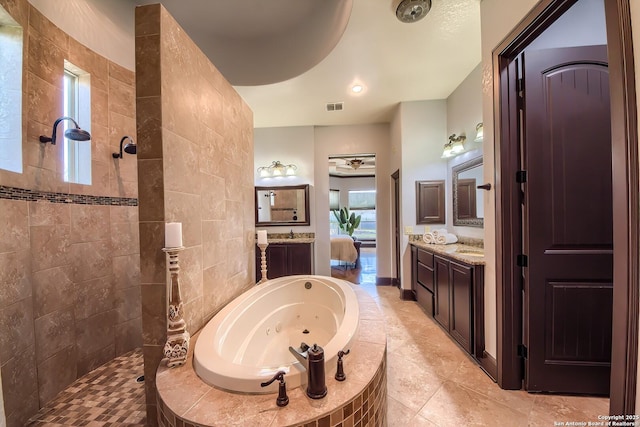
<point>468,254</point>
<point>294,240</point>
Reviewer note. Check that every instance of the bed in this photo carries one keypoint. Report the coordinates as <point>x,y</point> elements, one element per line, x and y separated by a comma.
<point>343,249</point>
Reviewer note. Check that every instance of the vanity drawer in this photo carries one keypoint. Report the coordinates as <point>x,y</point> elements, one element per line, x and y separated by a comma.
<point>425,276</point>
<point>425,257</point>
<point>425,299</point>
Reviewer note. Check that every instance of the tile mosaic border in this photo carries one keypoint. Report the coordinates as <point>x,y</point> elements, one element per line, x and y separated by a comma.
<point>15,193</point>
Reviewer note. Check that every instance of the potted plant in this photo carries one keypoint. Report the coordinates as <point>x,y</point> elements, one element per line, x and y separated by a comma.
<point>347,222</point>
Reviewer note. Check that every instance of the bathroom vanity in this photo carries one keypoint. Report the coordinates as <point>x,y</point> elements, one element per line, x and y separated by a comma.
<point>448,282</point>
<point>286,257</point>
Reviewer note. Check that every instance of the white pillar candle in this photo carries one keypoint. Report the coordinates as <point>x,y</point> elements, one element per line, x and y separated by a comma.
<point>173,235</point>
<point>262,237</point>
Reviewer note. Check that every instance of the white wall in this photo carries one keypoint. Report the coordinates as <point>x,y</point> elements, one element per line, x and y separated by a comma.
<point>351,183</point>
<point>581,25</point>
<point>288,145</point>
<point>105,27</point>
<point>358,139</point>
<point>423,132</point>
<point>464,112</point>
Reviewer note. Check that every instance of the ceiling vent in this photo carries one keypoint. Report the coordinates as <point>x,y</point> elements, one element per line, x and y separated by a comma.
<point>335,106</point>
<point>409,11</point>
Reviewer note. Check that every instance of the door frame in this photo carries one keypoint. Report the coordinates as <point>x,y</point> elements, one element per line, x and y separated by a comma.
<point>395,177</point>
<point>624,142</point>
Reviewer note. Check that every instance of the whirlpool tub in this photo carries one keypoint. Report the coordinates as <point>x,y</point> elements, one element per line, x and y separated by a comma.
<point>248,341</point>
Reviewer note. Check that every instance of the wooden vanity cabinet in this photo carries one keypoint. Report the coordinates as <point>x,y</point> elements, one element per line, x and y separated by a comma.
<point>457,296</point>
<point>286,259</point>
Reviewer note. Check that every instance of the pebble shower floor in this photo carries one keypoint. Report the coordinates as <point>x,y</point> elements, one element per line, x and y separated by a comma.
<point>107,396</point>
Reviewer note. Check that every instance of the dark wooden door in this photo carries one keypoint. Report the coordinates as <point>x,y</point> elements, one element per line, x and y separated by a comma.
<point>441,309</point>
<point>567,210</point>
<point>461,282</point>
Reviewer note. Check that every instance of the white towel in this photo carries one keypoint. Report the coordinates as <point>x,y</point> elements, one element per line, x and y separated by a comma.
<point>429,238</point>
<point>440,232</point>
<point>446,239</point>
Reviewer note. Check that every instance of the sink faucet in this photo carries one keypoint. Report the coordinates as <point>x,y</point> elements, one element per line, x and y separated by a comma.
<point>291,234</point>
<point>312,358</point>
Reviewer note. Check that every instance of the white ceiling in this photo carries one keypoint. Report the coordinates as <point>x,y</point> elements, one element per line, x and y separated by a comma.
<point>395,62</point>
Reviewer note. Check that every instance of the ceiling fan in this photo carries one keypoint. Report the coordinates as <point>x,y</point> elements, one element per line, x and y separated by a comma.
<point>356,162</point>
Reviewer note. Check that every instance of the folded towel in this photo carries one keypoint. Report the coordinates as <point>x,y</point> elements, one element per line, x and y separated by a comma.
<point>440,232</point>
<point>429,238</point>
<point>446,239</point>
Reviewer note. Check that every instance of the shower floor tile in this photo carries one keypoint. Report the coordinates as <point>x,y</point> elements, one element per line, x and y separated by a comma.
<point>106,396</point>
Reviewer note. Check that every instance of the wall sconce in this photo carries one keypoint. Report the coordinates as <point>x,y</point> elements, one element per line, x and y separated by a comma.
<point>479,132</point>
<point>75,134</point>
<point>454,146</point>
<point>130,148</point>
<point>277,169</point>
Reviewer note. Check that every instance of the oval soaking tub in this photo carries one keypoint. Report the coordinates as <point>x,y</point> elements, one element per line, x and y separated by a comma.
<point>248,341</point>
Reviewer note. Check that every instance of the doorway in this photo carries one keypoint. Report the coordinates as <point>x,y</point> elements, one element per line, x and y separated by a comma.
<point>395,177</point>
<point>352,196</point>
<point>513,267</point>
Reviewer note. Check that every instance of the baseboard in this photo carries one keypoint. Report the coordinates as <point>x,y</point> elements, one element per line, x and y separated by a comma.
<point>384,281</point>
<point>489,364</point>
<point>407,295</point>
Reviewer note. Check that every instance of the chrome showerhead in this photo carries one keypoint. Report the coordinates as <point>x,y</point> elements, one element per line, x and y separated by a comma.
<point>75,134</point>
<point>130,148</point>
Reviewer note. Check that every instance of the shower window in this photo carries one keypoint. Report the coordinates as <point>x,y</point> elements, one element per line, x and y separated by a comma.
<point>10,94</point>
<point>77,104</point>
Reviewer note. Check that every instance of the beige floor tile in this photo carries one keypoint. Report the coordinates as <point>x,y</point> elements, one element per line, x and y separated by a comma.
<point>553,408</point>
<point>398,415</point>
<point>454,405</point>
<point>409,383</point>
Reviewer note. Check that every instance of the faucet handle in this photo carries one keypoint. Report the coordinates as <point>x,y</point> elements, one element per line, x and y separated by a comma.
<point>282,399</point>
<point>340,376</point>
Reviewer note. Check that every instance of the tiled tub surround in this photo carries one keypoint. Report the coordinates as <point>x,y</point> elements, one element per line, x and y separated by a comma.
<point>69,257</point>
<point>185,400</point>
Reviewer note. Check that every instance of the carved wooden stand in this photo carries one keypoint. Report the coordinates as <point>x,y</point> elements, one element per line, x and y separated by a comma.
<point>177,346</point>
<point>263,262</point>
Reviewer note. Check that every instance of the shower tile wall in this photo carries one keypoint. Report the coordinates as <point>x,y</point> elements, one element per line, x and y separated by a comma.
<point>195,163</point>
<point>69,272</point>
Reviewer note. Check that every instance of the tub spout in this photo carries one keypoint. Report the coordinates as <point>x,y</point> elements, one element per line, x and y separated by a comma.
<point>312,358</point>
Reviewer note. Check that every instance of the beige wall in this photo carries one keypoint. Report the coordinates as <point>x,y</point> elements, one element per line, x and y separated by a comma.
<point>195,162</point>
<point>69,291</point>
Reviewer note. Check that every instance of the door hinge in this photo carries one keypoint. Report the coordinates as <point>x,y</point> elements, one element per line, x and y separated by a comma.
<point>522,261</point>
<point>522,351</point>
<point>521,177</point>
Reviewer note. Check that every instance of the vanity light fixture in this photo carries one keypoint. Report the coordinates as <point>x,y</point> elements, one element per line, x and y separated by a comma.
<point>454,146</point>
<point>479,132</point>
<point>75,134</point>
<point>130,148</point>
<point>277,169</point>
<point>447,150</point>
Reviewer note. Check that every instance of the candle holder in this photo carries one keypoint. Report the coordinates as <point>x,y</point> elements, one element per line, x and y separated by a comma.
<point>177,345</point>
<point>263,261</point>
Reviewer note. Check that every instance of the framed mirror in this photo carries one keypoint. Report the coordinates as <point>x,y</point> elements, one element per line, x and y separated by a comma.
<point>468,202</point>
<point>282,205</point>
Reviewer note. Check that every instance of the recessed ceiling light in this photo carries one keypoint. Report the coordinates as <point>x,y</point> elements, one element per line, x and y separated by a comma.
<point>356,88</point>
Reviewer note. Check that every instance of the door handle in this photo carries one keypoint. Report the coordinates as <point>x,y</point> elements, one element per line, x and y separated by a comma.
<point>484,187</point>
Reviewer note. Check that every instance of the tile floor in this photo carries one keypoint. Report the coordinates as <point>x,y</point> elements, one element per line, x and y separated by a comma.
<point>431,382</point>
<point>108,396</point>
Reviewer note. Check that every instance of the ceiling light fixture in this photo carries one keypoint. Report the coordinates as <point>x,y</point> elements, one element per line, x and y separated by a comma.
<point>357,88</point>
<point>479,132</point>
<point>409,11</point>
<point>277,169</point>
<point>454,146</point>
